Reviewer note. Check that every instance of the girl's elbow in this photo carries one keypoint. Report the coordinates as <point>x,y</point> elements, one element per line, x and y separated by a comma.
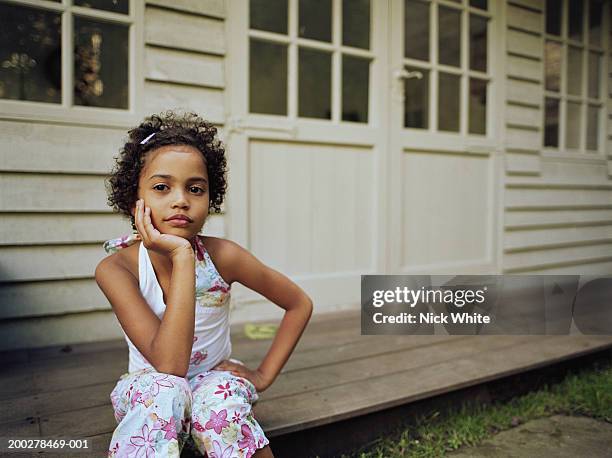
<point>308,307</point>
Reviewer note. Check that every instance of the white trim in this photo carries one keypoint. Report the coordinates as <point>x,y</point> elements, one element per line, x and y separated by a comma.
<point>64,112</point>
<point>293,58</point>
<point>584,100</point>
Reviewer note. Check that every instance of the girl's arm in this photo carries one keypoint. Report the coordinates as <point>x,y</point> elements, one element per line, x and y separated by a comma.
<point>244,268</point>
<point>166,344</point>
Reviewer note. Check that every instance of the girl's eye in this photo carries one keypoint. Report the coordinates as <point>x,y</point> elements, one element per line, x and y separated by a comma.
<point>160,187</point>
<point>196,189</point>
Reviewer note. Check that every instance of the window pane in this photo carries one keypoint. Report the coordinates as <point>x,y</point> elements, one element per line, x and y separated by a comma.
<point>479,4</point>
<point>572,127</point>
<point>552,65</point>
<point>416,29</point>
<point>315,19</point>
<point>355,88</point>
<point>593,128</point>
<point>448,102</point>
<point>553,17</point>
<point>356,23</point>
<point>574,70</point>
<point>416,98</point>
<point>314,80</point>
<point>478,106</point>
<point>449,44</point>
<point>101,63</point>
<point>116,6</point>
<point>267,78</point>
<point>270,15</point>
<point>551,123</point>
<point>30,54</point>
<point>478,43</point>
<point>594,74</point>
<point>575,20</point>
<point>595,14</point>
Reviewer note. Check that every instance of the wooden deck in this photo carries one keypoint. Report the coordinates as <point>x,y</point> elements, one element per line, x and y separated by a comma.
<point>335,374</point>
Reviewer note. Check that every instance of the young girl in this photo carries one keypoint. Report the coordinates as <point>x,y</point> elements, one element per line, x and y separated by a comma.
<point>169,287</point>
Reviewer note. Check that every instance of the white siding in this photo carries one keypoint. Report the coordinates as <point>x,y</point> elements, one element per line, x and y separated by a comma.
<point>54,216</point>
<point>558,210</point>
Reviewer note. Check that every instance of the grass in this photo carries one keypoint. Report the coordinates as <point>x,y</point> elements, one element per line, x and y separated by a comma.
<point>588,392</point>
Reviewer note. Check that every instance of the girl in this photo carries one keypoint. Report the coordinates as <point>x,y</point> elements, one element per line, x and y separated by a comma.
<point>169,287</point>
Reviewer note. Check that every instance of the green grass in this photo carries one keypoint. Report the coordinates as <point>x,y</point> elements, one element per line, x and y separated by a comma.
<point>588,392</point>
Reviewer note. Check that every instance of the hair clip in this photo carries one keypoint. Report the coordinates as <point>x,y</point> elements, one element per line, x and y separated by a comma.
<point>148,138</point>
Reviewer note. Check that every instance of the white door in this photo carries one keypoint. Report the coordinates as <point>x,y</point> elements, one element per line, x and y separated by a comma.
<point>307,141</point>
<point>326,183</point>
<point>445,179</point>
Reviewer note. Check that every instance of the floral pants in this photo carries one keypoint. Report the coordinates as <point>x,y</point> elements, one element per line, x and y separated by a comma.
<point>159,414</point>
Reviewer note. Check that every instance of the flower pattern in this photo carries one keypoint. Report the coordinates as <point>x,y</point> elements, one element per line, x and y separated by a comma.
<point>209,411</point>
<point>217,421</point>
<point>224,390</point>
<point>197,419</point>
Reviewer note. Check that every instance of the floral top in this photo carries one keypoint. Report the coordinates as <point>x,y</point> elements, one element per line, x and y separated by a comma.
<point>211,342</point>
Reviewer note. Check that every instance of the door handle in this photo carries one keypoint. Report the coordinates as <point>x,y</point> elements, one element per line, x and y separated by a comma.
<point>403,74</point>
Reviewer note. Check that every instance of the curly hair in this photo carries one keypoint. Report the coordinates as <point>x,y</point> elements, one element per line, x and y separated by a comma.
<point>169,128</point>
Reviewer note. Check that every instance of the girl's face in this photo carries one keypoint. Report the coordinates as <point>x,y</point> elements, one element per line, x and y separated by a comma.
<point>174,184</point>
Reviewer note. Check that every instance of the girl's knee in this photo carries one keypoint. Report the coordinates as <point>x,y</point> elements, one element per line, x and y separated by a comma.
<point>221,386</point>
<point>154,386</point>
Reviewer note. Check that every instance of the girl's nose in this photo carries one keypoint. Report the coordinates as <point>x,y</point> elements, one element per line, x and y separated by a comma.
<point>180,200</point>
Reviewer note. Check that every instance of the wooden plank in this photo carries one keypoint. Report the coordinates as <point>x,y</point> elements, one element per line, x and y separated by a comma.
<point>524,44</point>
<point>55,402</point>
<point>522,163</point>
<point>343,325</point>
<point>35,192</point>
<point>554,197</point>
<point>184,67</point>
<point>176,30</point>
<point>61,228</point>
<point>524,141</point>
<point>334,403</point>
<point>100,444</point>
<point>215,8</point>
<point>555,172</point>
<point>43,298</point>
<point>524,19</point>
<point>296,382</point>
<point>55,330</point>
<point>85,422</point>
<point>344,372</point>
<point>58,148</point>
<point>55,375</point>
<point>520,67</point>
<point>523,116</point>
<point>523,92</point>
<point>522,219</point>
<point>21,428</point>
<point>313,362</point>
<point>208,103</point>
<point>64,228</point>
<point>534,4</point>
<point>49,262</point>
<point>538,259</point>
<point>590,268</point>
<point>551,236</point>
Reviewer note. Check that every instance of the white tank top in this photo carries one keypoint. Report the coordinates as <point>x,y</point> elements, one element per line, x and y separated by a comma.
<point>211,342</point>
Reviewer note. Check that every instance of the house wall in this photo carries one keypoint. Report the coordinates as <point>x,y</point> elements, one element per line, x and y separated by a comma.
<point>558,206</point>
<point>53,201</point>
<point>557,209</point>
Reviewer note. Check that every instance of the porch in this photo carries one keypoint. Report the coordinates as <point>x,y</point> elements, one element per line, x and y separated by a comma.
<point>335,381</point>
